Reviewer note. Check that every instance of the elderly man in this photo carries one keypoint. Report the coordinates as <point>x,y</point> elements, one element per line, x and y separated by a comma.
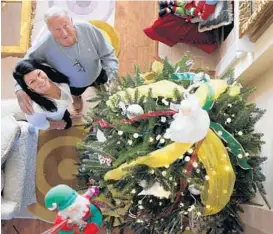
<point>76,49</point>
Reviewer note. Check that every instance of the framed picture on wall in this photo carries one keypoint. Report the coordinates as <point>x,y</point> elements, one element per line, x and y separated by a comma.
<point>16,26</point>
<point>255,18</point>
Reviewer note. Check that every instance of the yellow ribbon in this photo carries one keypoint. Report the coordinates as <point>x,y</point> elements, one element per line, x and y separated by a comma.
<point>218,86</point>
<point>159,158</point>
<point>163,88</point>
<point>221,178</point>
<point>149,77</point>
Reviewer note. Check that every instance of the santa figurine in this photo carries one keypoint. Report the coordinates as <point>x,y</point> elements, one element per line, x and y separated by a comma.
<point>190,124</point>
<point>76,213</point>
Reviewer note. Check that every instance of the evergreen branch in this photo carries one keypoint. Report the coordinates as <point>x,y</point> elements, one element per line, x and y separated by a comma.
<point>95,149</point>
<point>263,195</point>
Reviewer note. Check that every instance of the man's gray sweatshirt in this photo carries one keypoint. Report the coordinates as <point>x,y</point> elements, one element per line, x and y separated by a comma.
<point>95,53</point>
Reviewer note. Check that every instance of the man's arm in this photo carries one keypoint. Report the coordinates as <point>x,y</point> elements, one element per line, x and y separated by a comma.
<point>106,53</point>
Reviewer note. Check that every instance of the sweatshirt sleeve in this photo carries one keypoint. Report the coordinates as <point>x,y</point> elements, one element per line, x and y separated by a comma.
<point>38,120</point>
<point>106,53</point>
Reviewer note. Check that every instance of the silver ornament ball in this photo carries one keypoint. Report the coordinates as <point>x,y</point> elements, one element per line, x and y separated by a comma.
<point>134,110</point>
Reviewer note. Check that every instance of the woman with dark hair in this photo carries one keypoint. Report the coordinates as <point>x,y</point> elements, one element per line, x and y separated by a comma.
<point>49,90</point>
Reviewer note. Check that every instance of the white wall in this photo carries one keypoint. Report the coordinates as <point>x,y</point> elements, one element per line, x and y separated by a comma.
<point>256,217</point>
<point>263,97</point>
<point>260,53</point>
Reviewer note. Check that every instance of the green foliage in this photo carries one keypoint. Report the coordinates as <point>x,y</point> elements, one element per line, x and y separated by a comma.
<point>151,214</point>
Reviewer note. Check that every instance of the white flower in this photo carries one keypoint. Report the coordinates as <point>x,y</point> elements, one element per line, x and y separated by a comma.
<point>228,120</point>
<point>187,159</point>
<point>163,119</point>
<point>162,141</point>
<point>158,137</point>
<point>164,173</point>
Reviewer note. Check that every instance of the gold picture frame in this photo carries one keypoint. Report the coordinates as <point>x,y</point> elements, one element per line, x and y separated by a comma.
<point>255,17</point>
<point>27,13</point>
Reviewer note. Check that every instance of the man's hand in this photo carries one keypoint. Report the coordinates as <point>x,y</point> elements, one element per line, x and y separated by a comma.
<point>111,86</point>
<point>25,102</point>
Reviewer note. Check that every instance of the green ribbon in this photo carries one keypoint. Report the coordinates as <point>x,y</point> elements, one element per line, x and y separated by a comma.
<point>234,146</point>
<point>193,76</point>
<point>183,76</point>
<point>209,101</point>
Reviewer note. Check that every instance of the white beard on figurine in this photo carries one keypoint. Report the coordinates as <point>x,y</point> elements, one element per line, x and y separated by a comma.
<point>190,124</point>
<point>77,210</point>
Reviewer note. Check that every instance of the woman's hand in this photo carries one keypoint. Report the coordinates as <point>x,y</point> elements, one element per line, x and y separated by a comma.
<point>57,124</point>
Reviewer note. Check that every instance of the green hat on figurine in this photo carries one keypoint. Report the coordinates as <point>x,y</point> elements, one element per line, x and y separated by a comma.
<point>61,197</point>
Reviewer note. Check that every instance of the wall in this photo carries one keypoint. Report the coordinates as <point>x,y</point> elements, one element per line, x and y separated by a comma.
<point>263,97</point>
<point>7,81</point>
<point>241,54</point>
<point>256,217</point>
<point>10,29</point>
<point>259,60</point>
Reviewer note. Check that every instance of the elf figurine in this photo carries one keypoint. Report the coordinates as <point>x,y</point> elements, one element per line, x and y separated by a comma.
<point>77,215</point>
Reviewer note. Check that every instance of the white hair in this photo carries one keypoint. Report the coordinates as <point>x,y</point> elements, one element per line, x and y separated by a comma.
<point>77,210</point>
<point>55,12</point>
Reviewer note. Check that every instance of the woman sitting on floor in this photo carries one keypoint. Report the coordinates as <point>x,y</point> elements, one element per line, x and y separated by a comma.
<point>49,90</point>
